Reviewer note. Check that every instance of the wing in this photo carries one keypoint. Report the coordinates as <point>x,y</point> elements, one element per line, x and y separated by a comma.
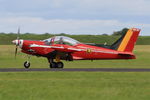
<point>63,51</point>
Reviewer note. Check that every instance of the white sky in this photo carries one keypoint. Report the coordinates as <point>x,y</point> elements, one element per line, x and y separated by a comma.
<point>74,16</point>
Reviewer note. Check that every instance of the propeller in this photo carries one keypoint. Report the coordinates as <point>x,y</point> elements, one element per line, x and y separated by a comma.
<point>16,42</point>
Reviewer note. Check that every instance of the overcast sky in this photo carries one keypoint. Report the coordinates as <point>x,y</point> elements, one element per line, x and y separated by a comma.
<point>74,16</point>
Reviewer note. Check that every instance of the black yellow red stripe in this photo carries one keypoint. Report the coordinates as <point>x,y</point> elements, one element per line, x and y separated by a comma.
<point>125,41</point>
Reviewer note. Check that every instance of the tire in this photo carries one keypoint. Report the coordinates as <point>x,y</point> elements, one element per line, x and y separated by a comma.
<point>60,65</point>
<point>53,65</point>
<point>26,64</point>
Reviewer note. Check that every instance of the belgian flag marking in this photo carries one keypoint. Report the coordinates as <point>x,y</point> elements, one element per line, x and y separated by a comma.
<point>125,40</point>
<point>89,50</point>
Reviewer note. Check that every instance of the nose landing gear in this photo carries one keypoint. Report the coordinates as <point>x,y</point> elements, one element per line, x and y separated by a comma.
<point>26,64</point>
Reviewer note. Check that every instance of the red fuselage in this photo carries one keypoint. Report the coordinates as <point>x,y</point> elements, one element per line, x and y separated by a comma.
<point>78,52</point>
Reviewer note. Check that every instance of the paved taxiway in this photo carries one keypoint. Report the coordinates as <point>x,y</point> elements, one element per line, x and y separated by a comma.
<point>77,69</point>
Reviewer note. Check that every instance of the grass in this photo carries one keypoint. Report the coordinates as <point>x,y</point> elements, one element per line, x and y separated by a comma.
<point>75,85</point>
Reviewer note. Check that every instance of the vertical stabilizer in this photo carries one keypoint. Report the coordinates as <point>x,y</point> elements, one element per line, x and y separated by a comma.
<point>129,40</point>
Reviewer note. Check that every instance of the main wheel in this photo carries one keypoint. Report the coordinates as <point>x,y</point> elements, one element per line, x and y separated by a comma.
<point>60,65</point>
<point>53,65</point>
<point>26,64</point>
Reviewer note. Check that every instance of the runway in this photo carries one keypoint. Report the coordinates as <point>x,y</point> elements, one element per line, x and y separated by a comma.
<point>76,70</point>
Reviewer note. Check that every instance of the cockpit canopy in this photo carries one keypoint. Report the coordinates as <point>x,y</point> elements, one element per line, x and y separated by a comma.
<point>61,40</point>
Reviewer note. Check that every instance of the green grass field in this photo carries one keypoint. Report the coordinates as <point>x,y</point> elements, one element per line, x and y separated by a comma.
<point>75,85</point>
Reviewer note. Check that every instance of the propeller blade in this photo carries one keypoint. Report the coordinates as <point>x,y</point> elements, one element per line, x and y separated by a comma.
<point>18,34</point>
<point>16,50</point>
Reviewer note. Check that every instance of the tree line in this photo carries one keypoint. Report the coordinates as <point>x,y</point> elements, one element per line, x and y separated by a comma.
<point>115,33</point>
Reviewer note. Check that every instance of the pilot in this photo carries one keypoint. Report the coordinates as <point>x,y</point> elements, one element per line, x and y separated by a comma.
<point>61,41</point>
<point>47,42</point>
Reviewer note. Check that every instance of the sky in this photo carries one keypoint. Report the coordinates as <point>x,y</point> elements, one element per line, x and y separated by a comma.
<point>74,16</point>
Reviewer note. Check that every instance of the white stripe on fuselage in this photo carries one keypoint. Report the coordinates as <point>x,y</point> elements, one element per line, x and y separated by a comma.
<point>85,49</point>
<point>44,46</point>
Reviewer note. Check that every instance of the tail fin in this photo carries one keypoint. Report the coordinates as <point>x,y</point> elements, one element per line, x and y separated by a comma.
<point>127,41</point>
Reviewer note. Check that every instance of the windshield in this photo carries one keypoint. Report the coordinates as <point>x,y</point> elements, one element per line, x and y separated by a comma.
<point>61,40</point>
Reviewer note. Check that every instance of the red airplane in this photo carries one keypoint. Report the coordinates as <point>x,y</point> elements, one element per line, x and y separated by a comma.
<point>59,48</point>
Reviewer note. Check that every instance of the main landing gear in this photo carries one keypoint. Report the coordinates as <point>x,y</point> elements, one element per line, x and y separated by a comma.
<point>55,64</point>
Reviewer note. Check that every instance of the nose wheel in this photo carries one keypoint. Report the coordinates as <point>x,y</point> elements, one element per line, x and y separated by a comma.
<point>26,64</point>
